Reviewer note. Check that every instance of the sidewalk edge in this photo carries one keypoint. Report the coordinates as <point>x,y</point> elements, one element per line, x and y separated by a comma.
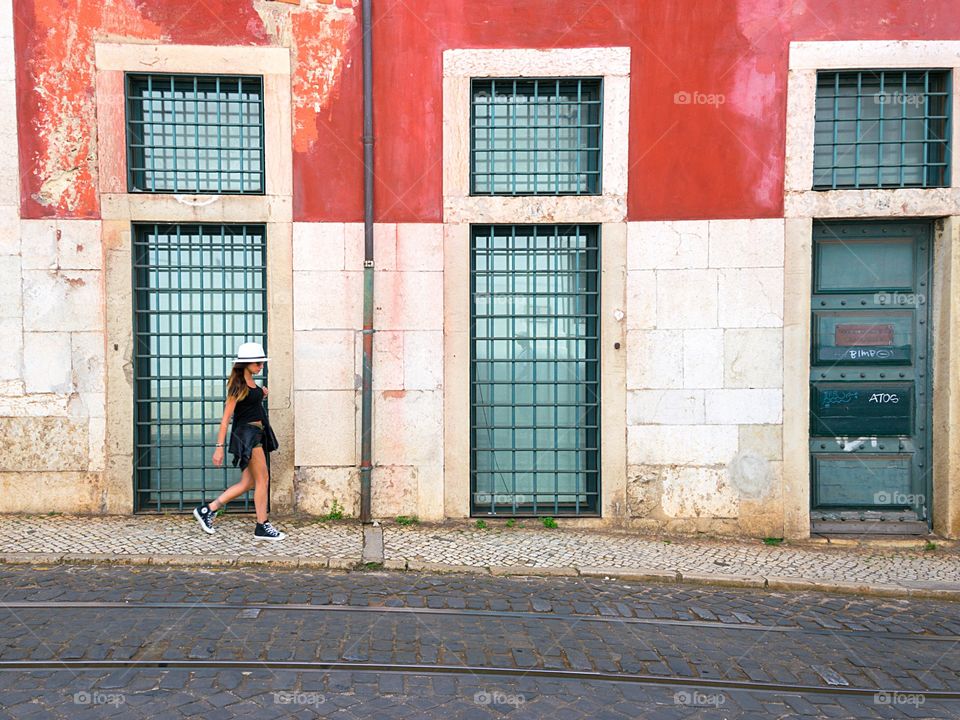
<point>629,574</point>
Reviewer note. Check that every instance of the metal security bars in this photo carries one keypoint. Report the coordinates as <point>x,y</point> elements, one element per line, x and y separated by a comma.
<point>535,137</point>
<point>195,134</point>
<point>882,128</point>
<point>535,422</point>
<point>199,291</point>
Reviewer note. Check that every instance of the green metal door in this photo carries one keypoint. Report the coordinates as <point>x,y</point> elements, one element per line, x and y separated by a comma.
<point>535,425</point>
<point>869,377</point>
<point>199,291</point>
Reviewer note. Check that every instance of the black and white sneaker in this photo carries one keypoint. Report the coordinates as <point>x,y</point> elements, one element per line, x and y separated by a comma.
<point>266,531</point>
<point>204,516</point>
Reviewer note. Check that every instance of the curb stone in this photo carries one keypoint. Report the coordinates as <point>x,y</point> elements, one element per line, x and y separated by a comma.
<point>722,579</point>
<point>635,574</point>
<point>510,570</point>
<point>790,583</point>
<point>422,566</point>
<point>287,561</point>
<point>181,560</point>
<point>860,588</point>
<point>19,558</point>
<point>89,558</point>
<point>932,594</point>
<point>314,563</point>
<point>339,563</point>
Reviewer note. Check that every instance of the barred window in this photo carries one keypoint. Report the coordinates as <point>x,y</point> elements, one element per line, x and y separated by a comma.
<point>881,128</point>
<point>195,134</point>
<point>535,136</point>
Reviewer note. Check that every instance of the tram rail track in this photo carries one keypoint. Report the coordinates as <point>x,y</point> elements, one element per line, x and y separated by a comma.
<point>457,612</point>
<point>467,670</point>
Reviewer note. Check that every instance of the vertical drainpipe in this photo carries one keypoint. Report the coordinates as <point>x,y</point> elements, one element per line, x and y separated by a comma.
<point>367,387</point>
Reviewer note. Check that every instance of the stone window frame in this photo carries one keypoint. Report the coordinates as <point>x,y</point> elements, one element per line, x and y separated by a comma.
<point>803,205</point>
<point>806,58</point>
<point>611,64</point>
<point>608,210</point>
<point>121,209</point>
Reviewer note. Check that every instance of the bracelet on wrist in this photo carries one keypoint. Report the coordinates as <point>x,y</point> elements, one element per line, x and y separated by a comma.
<point>219,445</point>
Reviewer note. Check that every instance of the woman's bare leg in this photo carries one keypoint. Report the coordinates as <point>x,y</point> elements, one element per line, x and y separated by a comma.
<point>236,490</point>
<point>261,479</point>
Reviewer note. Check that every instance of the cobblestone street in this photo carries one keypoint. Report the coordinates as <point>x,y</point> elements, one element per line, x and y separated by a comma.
<point>81,641</point>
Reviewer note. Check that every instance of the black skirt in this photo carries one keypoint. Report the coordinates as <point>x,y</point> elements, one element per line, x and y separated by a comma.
<point>245,438</point>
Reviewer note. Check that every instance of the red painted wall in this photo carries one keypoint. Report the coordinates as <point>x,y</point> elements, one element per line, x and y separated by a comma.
<point>686,160</point>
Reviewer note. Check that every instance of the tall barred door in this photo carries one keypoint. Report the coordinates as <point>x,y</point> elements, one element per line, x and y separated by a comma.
<point>199,291</point>
<point>535,404</point>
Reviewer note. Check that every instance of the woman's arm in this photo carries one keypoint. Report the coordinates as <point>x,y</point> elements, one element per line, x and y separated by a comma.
<point>228,408</point>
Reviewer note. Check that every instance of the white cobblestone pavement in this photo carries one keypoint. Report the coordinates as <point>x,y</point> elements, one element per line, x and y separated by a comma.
<point>904,569</point>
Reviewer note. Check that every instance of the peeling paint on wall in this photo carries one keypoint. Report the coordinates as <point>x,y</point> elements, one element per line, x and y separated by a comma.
<point>318,36</point>
<point>686,162</point>
<point>56,84</point>
<point>64,163</point>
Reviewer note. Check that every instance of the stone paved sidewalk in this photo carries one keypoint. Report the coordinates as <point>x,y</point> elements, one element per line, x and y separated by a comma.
<point>176,539</point>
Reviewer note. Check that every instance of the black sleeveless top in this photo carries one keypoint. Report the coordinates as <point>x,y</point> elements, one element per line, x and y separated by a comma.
<point>250,409</point>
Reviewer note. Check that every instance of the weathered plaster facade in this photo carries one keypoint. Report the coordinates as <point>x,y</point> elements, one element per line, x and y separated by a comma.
<point>52,404</point>
<point>706,215</point>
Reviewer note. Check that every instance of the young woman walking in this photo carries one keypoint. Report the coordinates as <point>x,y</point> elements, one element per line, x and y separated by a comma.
<point>250,439</point>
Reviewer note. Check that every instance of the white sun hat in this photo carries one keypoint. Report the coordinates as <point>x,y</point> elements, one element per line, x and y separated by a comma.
<point>251,352</point>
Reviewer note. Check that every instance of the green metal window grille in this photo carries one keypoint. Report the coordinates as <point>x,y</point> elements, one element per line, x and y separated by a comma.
<point>199,291</point>
<point>535,136</point>
<point>882,128</point>
<point>195,134</point>
<point>535,394</point>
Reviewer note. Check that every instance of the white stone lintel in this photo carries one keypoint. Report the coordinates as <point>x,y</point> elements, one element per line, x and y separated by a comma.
<point>188,58</point>
<point>523,62</point>
<point>857,54</point>
<point>184,208</point>
<point>873,203</point>
<point>529,210</point>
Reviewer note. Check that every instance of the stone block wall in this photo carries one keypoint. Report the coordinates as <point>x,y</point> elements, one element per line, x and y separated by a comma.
<point>52,408</point>
<point>407,367</point>
<point>705,375</point>
<point>703,383</point>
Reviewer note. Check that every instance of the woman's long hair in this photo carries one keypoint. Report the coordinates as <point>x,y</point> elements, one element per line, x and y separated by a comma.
<point>237,382</point>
